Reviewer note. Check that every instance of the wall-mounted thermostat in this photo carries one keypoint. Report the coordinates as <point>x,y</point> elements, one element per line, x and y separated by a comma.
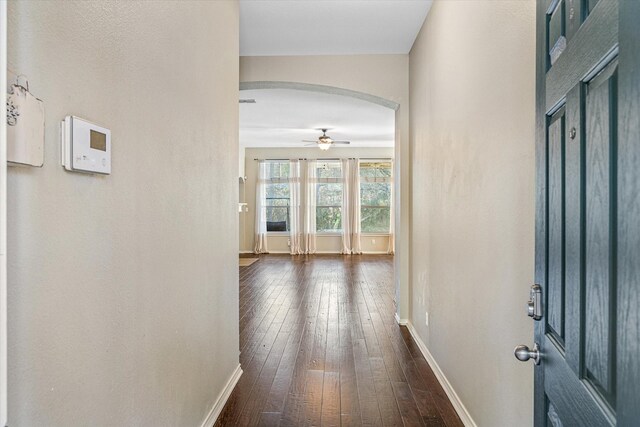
<point>85,147</point>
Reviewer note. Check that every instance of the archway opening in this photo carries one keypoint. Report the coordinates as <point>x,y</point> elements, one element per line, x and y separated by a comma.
<point>251,90</point>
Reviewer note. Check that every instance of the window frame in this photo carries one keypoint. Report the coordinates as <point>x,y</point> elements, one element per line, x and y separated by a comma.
<point>279,180</point>
<point>382,180</point>
<point>333,180</point>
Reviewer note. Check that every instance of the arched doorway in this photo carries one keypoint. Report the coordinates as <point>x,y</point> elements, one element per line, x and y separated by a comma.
<point>401,260</point>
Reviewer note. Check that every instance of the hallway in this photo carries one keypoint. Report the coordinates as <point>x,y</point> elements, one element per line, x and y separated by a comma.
<point>483,155</point>
<point>320,346</point>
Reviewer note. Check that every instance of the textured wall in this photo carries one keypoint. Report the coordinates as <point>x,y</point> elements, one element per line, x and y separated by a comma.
<point>123,303</point>
<point>472,140</point>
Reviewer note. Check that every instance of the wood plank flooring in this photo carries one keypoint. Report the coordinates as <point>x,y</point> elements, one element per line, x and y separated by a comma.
<point>320,346</point>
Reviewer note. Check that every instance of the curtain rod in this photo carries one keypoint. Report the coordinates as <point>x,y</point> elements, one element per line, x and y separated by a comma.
<point>334,158</point>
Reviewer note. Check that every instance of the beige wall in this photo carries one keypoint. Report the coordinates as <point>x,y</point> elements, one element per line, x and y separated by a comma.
<point>472,143</point>
<point>384,76</point>
<point>123,304</point>
<point>278,243</point>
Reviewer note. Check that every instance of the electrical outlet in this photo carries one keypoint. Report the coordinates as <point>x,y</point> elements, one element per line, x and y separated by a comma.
<point>426,318</point>
<point>373,241</point>
<point>289,242</point>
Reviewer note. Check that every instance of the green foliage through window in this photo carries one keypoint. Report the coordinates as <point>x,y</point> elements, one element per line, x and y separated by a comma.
<point>375,196</point>
<point>329,197</point>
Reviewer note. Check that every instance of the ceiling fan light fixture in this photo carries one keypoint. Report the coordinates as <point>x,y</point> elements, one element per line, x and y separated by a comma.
<point>325,142</point>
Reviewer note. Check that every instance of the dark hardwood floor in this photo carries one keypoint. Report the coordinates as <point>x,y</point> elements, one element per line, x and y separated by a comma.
<point>320,346</point>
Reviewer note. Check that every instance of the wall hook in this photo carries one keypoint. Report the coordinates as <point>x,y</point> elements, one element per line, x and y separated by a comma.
<point>17,83</point>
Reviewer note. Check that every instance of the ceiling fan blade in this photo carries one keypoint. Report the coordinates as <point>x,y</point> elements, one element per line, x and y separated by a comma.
<point>306,140</point>
<point>342,142</point>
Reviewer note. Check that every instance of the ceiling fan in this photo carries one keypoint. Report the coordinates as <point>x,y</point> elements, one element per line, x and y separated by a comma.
<point>325,142</point>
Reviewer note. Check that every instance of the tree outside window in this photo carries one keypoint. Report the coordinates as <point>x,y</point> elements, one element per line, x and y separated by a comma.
<point>329,197</point>
<point>375,196</point>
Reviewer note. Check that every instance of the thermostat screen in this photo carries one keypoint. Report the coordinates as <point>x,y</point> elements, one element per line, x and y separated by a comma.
<point>98,141</point>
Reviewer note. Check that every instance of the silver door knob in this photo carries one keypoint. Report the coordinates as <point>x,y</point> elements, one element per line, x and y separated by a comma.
<point>524,353</point>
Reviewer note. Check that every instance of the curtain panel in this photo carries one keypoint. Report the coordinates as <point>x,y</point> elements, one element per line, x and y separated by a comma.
<point>346,208</point>
<point>310,208</point>
<point>261,211</point>
<point>351,227</point>
<point>297,168</point>
<point>391,249</point>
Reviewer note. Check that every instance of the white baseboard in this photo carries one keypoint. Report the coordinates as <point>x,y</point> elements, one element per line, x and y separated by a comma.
<point>246,252</point>
<point>363,253</point>
<point>215,411</point>
<point>401,322</point>
<point>325,253</point>
<point>462,411</point>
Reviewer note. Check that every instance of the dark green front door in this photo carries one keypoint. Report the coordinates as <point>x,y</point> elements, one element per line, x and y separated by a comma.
<point>588,213</point>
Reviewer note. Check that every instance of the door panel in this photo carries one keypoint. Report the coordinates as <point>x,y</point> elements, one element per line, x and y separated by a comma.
<point>573,228</point>
<point>576,339</point>
<point>595,41</point>
<point>555,281</point>
<point>600,124</point>
<point>557,36</point>
<point>575,16</point>
<point>628,249</point>
<point>571,398</point>
<point>583,256</point>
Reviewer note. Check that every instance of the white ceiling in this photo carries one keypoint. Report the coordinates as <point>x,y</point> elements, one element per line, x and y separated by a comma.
<point>329,27</point>
<point>284,117</point>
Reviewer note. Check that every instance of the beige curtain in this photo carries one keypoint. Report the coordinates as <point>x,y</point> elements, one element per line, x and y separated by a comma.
<point>310,180</point>
<point>351,230</point>
<point>353,185</point>
<point>260,235</point>
<point>346,209</point>
<point>392,214</point>
<point>296,207</point>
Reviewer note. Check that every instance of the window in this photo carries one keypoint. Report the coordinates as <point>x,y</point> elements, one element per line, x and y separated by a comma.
<point>375,196</point>
<point>277,196</point>
<point>329,197</point>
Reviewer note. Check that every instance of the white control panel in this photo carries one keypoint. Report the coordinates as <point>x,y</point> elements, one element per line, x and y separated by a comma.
<point>85,147</point>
